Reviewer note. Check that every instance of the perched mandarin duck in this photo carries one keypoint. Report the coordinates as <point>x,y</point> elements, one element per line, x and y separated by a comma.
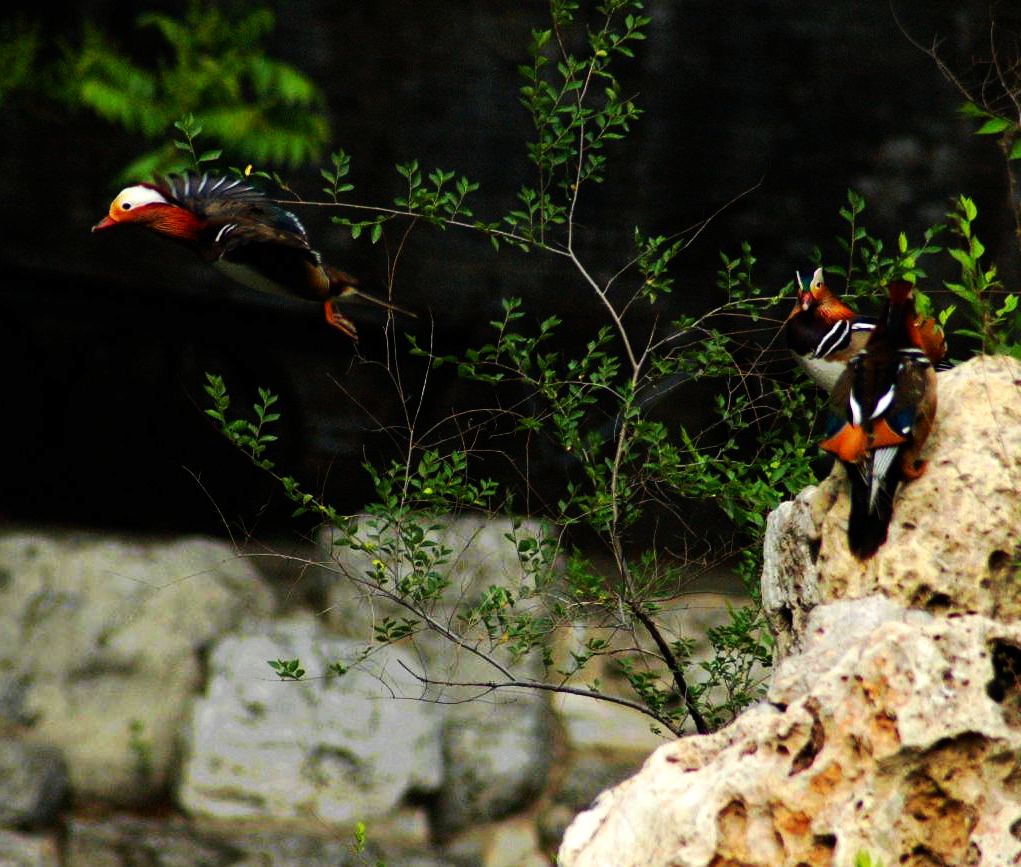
<point>823,332</point>
<point>883,408</point>
<point>246,235</point>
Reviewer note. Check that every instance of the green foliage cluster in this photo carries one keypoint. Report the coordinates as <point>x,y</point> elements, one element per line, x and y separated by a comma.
<point>19,51</point>
<point>998,124</point>
<point>211,64</point>
<point>577,107</point>
<point>981,311</point>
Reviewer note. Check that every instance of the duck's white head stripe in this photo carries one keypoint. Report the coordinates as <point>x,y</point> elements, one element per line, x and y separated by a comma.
<point>136,196</point>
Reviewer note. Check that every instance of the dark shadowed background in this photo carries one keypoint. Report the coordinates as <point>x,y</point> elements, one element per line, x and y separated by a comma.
<point>104,340</point>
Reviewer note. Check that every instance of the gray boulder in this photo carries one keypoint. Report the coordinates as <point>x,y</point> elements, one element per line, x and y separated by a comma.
<point>100,643</point>
<point>336,749</point>
<point>26,850</point>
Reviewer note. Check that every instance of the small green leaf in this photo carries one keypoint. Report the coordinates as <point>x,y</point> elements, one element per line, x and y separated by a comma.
<point>970,109</point>
<point>994,126</point>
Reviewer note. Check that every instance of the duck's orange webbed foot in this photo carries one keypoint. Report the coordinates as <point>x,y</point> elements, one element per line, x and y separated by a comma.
<point>338,320</point>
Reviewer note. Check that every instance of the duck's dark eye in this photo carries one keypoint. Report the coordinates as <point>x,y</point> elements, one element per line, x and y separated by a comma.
<point>126,206</point>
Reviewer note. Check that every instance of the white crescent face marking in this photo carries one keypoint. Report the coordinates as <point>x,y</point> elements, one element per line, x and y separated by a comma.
<point>135,197</point>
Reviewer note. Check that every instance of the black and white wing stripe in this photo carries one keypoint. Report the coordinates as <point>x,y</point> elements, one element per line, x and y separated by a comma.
<point>216,196</point>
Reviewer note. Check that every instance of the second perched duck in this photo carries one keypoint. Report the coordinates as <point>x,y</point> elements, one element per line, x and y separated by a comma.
<point>824,333</point>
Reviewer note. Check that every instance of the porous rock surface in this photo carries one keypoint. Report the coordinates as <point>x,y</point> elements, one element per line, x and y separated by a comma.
<point>893,725</point>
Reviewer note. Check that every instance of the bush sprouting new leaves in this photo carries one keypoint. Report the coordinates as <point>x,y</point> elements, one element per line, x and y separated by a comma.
<point>870,264</point>
<point>995,123</point>
<point>247,435</point>
<point>20,42</point>
<point>594,401</point>
<point>993,320</point>
<point>577,107</point>
<point>191,129</point>
<point>287,669</point>
<point>439,199</point>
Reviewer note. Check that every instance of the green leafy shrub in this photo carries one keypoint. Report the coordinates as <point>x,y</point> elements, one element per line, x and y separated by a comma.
<point>596,408</point>
<point>211,64</point>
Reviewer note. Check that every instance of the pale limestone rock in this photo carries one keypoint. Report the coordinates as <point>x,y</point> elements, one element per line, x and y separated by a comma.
<point>898,749</point>
<point>585,776</point>
<point>481,557</point>
<point>514,843</point>
<point>497,748</point>
<point>790,581</point>
<point>956,532</point>
<point>496,759</point>
<point>33,784</point>
<point>829,630</point>
<point>336,749</point>
<point>124,841</point>
<point>98,635</point>
<point>592,724</point>
<point>130,841</point>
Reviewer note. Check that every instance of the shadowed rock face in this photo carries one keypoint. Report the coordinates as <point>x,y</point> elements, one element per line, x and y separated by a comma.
<point>893,723</point>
